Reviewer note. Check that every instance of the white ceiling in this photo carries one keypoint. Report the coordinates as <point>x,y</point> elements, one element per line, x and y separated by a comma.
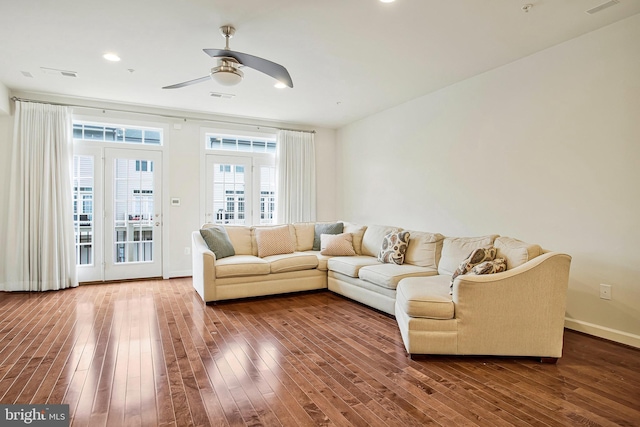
<point>347,58</point>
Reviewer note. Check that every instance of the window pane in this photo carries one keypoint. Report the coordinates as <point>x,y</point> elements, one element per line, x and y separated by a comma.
<point>133,135</point>
<point>83,208</point>
<point>244,145</point>
<point>77,131</point>
<point>259,146</point>
<point>94,132</point>
<point>271,147</point>
<point>110,133</point>
<point>229,144</point>
<point>215,143</point>
<point>152,137</point>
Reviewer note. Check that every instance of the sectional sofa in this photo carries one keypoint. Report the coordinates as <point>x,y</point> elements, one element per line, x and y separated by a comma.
<point>440,309</point>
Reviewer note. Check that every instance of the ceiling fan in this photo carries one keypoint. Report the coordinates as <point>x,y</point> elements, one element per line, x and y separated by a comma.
<point>228,71</point>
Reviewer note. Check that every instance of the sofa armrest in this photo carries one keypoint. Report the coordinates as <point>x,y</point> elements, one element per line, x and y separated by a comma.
<point>203,263</point>
<point>519,311</point>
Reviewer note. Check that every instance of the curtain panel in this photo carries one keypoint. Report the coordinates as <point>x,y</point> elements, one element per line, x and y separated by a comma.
<point>296,182</point>
<point>40,230</point>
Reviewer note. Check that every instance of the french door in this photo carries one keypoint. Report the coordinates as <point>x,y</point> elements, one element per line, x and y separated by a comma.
<point>240,190</point>
<point>117,213</point>
<point>132,214</point>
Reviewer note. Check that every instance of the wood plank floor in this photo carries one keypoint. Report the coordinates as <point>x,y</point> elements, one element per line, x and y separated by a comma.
<point>151,353</point>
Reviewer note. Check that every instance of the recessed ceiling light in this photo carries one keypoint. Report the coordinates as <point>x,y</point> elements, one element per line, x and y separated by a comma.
<point>280,85</point>
<point>387,1</point>
<point>111,57</point>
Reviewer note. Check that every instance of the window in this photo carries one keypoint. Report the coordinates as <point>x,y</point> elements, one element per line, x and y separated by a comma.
<point>115,133</point>
<point>233,143</point>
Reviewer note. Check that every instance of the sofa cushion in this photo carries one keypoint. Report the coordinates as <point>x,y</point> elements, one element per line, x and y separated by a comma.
<point>296,261</point>
<point>490,267</point>
<point>337,244</point>
<point>373,236</point>
<point>218,241</point>
<point>456,249</point>
<point>323,260</point>
<point>305,232</point>
<point>274,240</point>
<point>394,246</point>
<point>350,266</point>
<point>389,275</point>
<point>358,233</point>
<point>426,297</point>
<point>516,252</point>
<point>242,265</point>
<point>240,237</point>
<point>424,249</point>
<point>325,228</point>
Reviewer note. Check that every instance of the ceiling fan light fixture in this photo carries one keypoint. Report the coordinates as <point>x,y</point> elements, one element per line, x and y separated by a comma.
<point>226,74</point>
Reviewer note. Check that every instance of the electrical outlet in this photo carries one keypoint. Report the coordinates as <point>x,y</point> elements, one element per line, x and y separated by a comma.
<point>187,250</point>
<point>605,291</point>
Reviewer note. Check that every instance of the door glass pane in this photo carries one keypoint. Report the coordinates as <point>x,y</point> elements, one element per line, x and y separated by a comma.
<point>228,194</point>
<point>267,194</point>
<point>133,210</point>
<point>83,208</point>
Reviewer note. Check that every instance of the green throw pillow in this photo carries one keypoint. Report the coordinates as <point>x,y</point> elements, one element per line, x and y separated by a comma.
<point>325,229</point>
<point>218,241</point>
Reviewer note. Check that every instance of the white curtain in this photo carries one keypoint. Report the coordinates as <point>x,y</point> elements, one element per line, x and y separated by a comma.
<point>296,162</point>
<point>40,236</point>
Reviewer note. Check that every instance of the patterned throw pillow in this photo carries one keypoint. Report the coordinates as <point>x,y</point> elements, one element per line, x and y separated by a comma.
<point>337,244</point>
<point>489,267</point>
<point>320,229</point>
<point>394,247</point>
<point>274,241</point>
<point>477,256</point>
<point>218,241</point>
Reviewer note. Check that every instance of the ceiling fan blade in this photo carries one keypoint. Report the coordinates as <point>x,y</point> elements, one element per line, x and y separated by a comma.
<point>267,67</point>
<point>190,82</point>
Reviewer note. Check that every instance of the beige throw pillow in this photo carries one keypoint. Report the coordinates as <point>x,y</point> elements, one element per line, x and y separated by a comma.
<point>274,241</point>
<point>337,244</point>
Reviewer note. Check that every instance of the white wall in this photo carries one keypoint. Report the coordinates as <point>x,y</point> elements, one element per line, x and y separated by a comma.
<point>182,165</point>
<point>545,149</point>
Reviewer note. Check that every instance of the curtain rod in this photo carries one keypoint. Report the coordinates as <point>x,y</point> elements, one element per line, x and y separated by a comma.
<point>169,116</point>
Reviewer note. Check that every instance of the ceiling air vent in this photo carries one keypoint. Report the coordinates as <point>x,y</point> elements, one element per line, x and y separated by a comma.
<point>603,6</point>
<point>222,95</point>
<point>65,73</point>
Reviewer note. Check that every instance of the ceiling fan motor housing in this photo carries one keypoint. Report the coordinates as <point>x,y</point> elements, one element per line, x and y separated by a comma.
<point>227,73</point>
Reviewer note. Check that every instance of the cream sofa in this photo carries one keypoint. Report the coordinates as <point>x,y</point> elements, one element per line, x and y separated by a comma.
<point>516,312</point>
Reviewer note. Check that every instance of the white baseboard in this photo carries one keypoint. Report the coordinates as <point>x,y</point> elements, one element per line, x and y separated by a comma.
<point>603,332</point>
<point>180,273</point>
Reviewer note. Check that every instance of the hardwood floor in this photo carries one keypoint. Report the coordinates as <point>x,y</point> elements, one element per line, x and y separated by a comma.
<point>151,353</point>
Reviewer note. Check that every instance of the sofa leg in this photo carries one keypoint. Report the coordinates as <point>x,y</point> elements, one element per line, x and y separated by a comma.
<point>549,360</point>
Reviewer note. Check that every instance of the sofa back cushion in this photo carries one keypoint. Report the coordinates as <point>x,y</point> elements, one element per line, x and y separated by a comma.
<point>357,231</point>
<point>305,232</point>
<point>516,252</point>
<point>424,249</point>
<point>373,237</point>
<point>456,249</point>
<point>240,237</point>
